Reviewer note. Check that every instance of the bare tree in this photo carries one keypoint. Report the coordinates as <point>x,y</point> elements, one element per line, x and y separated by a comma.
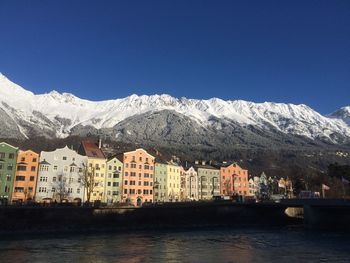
<point>61,188</point>
<point>87,179</point>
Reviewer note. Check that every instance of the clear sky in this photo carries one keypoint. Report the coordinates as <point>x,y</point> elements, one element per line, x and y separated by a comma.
<point>282,51</point>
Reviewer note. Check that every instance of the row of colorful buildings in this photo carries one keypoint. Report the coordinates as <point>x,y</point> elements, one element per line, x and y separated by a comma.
<point>135,177</point>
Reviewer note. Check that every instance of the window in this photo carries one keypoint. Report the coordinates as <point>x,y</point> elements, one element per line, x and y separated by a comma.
<point>20,178</point>
<point>126,182</point>
<point>145,183</point>
<point>11,155</point>
<point>115,184</point>
<point>108,192</point>
<point>55,168</point>
<point>30,189</point>
<point>146,167</point>
<point>2,155</point>
<point>146,175</point>
<point>132,174</point>
<point>19,189</point>
<point>34,160</point>
<point>125,191</point>
<point>126,165</point>
<point>70,190</point>
<point>140,159</point>
<point>21,168</point>
<point>115,175</point>
<point>64,158</point>
<point>140,166</point>
<point>115,192</point>
<point>31,178</point>
<point>126,173</point>
<point>133,165</point>
<point>1,166</point>
<point>78,191</point>
<point>33,168</point>
<point>54,179</point>
<point>108,183</point>
<point>139,191</point>
<point>53,189</point>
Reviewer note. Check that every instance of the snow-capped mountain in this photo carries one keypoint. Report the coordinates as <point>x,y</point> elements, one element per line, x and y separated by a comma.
<point>25,114</point>
<point>342,114</point>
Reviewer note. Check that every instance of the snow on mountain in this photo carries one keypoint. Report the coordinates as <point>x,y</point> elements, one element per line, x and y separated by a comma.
<point>342,114</point>
<point>59,113</point>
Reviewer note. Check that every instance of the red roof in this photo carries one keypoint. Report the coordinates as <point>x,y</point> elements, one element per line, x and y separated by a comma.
<point>90,149</point>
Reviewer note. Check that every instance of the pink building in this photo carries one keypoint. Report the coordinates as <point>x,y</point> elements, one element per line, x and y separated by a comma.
<point>138,177</point>
<point>234,180</point>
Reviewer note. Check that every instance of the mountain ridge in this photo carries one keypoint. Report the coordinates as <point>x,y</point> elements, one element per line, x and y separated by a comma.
<point>57,114</point>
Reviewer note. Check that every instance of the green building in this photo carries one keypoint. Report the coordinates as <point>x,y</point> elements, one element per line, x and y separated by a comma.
<point>113,187</point>
<point>8,160</point>
<point>208,181</point>
<point>160,182</point>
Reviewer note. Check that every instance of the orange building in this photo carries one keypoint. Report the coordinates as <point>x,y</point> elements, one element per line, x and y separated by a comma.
<point>26,176</point>
<point>138,177</point>
<point>234,180</point>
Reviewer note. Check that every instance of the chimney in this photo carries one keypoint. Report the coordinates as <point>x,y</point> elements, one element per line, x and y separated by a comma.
<point>196,162</point>
<point>99,143</point>
<point>203,162</point>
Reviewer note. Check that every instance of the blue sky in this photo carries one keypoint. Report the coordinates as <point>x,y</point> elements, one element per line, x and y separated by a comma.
<point>282,51</point>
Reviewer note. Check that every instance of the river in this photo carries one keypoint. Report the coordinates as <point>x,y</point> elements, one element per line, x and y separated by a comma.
<point>242,245</point>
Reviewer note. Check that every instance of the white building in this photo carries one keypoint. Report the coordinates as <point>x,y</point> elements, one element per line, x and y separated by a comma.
<point>60,174</point>
<point>190,184</point>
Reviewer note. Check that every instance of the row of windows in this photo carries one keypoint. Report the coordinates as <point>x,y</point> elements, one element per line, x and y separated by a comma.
<point>133,158</point>
<point>34,160</point>
<point>114,168</point>
<point>139,191</point>
<point>133,166</point>
<point>53,190</point>
<point>24,168</point>
<point>131,182</point>
<point>10,155</point>
<point>23,178</point>
<point>9,167</point>
<point>21,189</point>
<point>113,192</point>
<point>115,184</point>
<point>145,175</point>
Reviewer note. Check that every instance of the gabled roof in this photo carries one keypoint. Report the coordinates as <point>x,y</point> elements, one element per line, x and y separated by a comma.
<point>4,143</point>
<point>44,162</point>
<point>90,149</point>
<point>73,164</point>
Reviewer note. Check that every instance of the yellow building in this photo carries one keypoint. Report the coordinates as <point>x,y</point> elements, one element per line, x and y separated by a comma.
<point>96,170</point>
<point>173,182</point>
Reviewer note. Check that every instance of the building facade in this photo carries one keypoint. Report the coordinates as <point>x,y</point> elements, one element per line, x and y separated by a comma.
<point>96,170</point>
<point>114,179</point>
<point>8,159</point>
<point>138,177</point>
<point>160,182</point>
<point>234,180</point>
<point>26,176</point>
<point>173,190</point>
<point>208,181</point>
<point>190,184</point>
<point>60,176</point>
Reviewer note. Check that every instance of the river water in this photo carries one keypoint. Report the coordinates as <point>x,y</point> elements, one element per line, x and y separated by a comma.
<point>243,245</point>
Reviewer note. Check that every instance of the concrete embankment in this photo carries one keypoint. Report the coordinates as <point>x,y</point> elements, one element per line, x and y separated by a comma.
<point>81,219</point>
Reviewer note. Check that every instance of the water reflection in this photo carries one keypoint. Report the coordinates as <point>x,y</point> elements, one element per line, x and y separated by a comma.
<point>239,246</point>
